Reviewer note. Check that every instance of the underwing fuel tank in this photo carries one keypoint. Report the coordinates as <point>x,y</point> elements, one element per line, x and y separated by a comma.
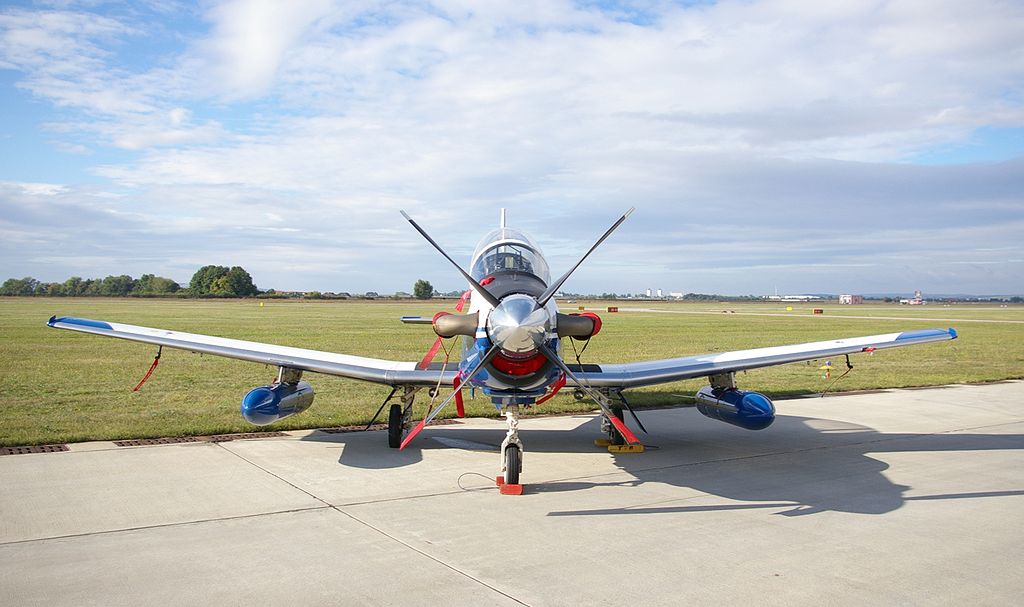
<point>750,410</point>
<point>267,404</point>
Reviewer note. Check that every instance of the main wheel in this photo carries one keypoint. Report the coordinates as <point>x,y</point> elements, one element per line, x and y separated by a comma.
<point>395,426</point>
<point>513,463</point>
<point>613,434</point>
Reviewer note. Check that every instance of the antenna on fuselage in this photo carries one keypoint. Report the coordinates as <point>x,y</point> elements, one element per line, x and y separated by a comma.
<point>502,226</point>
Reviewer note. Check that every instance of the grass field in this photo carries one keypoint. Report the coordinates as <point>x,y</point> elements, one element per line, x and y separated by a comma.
<point>59,386</point>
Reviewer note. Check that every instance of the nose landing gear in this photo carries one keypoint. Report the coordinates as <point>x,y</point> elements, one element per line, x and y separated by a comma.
<point>511,455</point>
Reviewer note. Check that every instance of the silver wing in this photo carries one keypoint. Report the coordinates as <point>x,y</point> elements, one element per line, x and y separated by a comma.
<point>356,367</point>
<point>645,373</point>
<point>625,375</point>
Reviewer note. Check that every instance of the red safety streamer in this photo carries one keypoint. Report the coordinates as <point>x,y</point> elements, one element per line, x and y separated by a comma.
<point>459,407</point>
<point>462,300</point>
<point>623,430</point>
<point>555,387</point>
<point>431,353</point>
<point>156,361</point>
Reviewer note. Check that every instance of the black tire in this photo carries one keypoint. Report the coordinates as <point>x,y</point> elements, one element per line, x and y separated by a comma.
<point>613,435</point>
<point>513,463</point>
<point>395,429</point>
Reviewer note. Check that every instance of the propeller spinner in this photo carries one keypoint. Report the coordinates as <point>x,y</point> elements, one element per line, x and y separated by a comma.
<point>517,326</point>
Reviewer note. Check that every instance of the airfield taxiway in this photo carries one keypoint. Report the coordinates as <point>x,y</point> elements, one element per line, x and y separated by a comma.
<point>894,497</point>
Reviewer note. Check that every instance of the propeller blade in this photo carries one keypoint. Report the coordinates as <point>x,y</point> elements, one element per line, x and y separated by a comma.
<point>426,420</point>
<point>592,393</point>
<point>476,285</point>
<point>555,286</point>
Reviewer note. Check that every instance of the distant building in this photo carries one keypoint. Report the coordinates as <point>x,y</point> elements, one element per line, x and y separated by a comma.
<point>851,299</point>
<point>659,293</point>
<point>676,294</point>
<point>648,293</point>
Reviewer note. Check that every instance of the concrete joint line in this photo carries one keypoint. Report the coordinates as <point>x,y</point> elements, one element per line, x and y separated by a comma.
<point>163,525</point>
<point>427,555</point>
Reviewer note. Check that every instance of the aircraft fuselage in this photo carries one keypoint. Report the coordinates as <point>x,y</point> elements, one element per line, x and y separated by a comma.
<point>512,268</point>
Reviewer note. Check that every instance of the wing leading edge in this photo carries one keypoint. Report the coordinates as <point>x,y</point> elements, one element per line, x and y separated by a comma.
<point>356,367</point>
<point>645,373</point>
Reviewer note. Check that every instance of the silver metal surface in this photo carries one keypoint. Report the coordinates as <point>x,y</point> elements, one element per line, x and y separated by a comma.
<point>644,373</point>
<point>723,380</point>
<point>517,326</point>
<point>289,376</point>
<point>367,369</point>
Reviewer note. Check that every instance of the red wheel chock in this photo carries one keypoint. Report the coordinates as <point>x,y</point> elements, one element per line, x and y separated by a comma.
<point>507,489</point>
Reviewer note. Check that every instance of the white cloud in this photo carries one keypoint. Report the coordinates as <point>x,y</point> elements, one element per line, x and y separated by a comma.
<point>751,135</point>
<point>35,189</point>
<point>251,39</point>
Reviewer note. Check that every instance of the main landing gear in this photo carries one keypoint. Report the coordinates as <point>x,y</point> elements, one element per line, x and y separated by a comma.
<point>614,440</point>
<point>400,417</point>
<point>612,437</point>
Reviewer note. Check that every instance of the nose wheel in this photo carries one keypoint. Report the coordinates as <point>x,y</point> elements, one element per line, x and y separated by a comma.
<point>511,455</point>
<point>513,464</point>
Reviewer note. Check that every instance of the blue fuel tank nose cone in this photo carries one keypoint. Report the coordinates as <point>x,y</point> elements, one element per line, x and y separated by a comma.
<point>260,406</point>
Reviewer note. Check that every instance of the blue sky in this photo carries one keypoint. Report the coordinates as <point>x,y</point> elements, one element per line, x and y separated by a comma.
<point>808,147</point>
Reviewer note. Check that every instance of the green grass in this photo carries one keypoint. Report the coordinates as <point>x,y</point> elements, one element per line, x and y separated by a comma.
<point>59,386</point>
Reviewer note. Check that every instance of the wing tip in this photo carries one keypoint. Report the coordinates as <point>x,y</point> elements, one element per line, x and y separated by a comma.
<point>926,334</point>
<point>77,322</point>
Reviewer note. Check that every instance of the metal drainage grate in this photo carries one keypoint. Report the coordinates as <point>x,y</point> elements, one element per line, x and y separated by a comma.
<point>342,429</point>
<point>33,449</point>
<point>216,438</point>
<point>223,438</point>
<point>138,442</point>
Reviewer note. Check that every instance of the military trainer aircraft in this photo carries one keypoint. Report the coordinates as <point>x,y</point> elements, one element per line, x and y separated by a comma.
<point>511,351</point>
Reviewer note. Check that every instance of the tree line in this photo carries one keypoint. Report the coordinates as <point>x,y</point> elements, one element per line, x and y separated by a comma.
<point>208,281</point>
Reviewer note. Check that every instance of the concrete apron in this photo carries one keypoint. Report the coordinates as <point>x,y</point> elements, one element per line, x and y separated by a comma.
<point>908,496</point>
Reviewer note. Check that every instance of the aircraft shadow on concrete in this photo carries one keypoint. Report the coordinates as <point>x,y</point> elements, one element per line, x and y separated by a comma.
<point>801,464</point>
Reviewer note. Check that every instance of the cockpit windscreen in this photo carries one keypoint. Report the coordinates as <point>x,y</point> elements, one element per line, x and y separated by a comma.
<point>508,250</point>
